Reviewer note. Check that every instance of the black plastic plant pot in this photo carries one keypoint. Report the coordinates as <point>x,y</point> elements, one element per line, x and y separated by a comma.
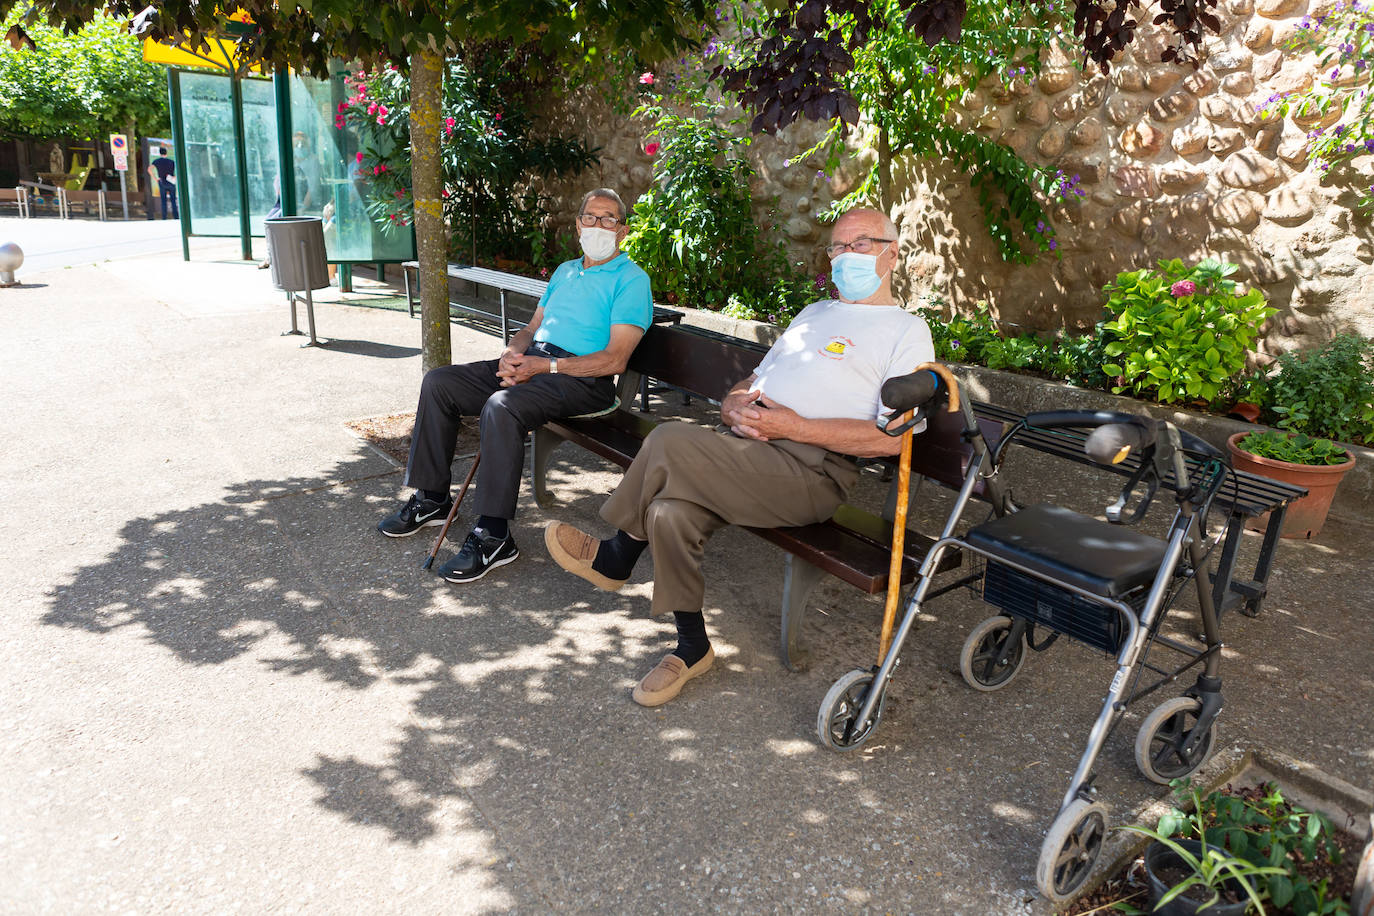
<point>1159,857</point>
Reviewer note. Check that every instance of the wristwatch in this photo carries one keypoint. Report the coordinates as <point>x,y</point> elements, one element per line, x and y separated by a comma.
<point>553,365</point>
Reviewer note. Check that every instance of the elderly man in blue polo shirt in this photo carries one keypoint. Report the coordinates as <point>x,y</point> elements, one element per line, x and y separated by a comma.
<point>588,322</point>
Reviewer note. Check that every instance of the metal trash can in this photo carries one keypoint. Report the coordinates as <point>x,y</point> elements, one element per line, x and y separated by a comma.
<point>295,248</point>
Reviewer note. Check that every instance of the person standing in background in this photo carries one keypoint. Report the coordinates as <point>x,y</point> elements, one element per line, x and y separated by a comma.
<point>164,170</point>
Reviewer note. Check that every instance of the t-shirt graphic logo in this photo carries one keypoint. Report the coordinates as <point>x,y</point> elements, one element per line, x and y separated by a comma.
<point>837,348</point>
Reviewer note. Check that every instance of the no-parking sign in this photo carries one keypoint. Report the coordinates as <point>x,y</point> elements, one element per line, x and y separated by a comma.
<point>119,147</point>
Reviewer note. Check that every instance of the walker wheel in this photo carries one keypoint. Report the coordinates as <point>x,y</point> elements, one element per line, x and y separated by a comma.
<point>1070,850</point>
<point>1159,744</point>
<point>837,723</point>
<point>978,659</point>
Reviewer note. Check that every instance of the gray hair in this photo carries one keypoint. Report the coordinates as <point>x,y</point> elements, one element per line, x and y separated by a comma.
<point>889,227</point>
<point>608,194</point>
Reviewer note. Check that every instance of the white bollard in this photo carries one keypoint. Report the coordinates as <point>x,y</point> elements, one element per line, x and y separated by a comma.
<point>11,257</point>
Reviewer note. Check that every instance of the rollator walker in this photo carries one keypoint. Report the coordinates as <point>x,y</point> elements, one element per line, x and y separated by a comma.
<point>1054,572</point>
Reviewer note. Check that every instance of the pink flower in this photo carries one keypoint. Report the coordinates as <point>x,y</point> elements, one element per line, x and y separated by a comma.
<point>651,148</point>
<point>498,116</point>
<point>381,169</point>
<point>381,119</point>
<point>342,107</point>
<point>646,79</point>
<point>372,109</point>
<point>381,110</point>
<point>449,122</point>
<point>1183,288</point>
<point>360,157</point>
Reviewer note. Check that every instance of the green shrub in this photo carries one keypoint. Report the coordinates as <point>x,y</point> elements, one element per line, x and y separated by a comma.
<point>1295,448</point>
<point>694,230</point>
<point>1180,333</point>
<point>1327,392</point>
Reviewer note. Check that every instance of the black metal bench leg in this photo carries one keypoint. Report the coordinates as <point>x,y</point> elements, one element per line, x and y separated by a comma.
<point>1226,566</point>
<point>799,580</point>
<point>1266,559</point>
<point>505,328</point>
<point>545,441</point>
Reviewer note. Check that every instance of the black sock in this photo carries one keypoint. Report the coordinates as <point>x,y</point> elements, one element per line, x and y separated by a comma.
<point>617,555</point>
<point>434,496</point>
<point>692,642</point>
<point>496,527</point>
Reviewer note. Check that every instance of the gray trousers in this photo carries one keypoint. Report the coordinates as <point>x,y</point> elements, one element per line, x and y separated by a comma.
<point>449,393</point>
<point>688,482</point>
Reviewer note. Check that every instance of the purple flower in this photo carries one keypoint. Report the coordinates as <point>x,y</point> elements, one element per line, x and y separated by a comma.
<point>928,69</point>
<point>1183,288</point>
<point>1053,244</point>
<point>820,281</point>
<point>955,343</point>
<point>1040,225</point>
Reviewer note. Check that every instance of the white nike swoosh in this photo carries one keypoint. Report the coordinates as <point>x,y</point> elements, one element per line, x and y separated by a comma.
<point>425,518</point>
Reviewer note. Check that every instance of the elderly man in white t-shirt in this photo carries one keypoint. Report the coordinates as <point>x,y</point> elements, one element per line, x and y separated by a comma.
<point>785,455</point>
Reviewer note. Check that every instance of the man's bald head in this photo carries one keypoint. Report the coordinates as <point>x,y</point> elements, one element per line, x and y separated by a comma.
<point>868,221</point>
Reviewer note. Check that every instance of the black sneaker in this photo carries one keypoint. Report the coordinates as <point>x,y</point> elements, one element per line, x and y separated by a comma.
<point>480,553</point>
<point>417,513</point>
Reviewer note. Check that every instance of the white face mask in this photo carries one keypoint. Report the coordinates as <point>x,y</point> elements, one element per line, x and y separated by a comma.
<point>597,243</point>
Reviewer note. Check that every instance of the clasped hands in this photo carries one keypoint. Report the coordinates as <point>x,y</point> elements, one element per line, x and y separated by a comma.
<point>515,368</point>
<point>753,415</point>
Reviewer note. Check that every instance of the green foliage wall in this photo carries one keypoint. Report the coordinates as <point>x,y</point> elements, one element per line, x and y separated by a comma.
<point>85,85</point>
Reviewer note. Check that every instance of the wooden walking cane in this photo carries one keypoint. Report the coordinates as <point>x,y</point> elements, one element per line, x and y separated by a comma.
<point>894,570</point>
<point>453,513</point>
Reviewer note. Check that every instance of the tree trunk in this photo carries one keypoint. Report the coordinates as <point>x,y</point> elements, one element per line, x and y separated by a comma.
<point>431,236</point>
<point>884,170</point>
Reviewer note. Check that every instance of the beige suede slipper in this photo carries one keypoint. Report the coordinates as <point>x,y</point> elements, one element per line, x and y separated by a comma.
<point>666,680</point>
<point>574,550</point>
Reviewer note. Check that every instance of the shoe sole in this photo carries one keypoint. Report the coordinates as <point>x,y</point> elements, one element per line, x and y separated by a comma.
<point>669,693</point>
<point>495,564</point>
<point>431,523</point>
<point>575,566</point>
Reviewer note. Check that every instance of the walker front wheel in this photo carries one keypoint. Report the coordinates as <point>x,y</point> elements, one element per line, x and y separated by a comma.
<point>978,660</point>
<point>837,724</point>
<point>1159,751</point>
<point>1070,850</point>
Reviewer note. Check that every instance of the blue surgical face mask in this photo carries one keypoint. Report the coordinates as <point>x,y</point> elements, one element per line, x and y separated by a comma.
<point>856,275</point>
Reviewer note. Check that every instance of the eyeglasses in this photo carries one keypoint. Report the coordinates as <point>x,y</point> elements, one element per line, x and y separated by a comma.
<point>590,219</point>
<point>861,245</point>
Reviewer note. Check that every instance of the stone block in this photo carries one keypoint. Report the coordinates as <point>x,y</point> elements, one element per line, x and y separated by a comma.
<point>1217,110</point>
<point>1275,9</point>
<point>1258,35</point>
<point>1238,83</point>
<point>1142,140</point>
<point>1095,92</point>
<point>1122,110</point>
<point>1016,140</point>
<point>801,228</point>
<point>1240,7</point>
<point>1239,209</point>
<point>1250,171</point>
<point>1128,78</point>
<point>1266,137</point>
<point>1295,77</point>
<point>1033,111</point>
<point>1173,106</point>
<point>1178,180</point>
<point>1229,59</point>
<point>1134,181</point>
<point>1190,140</point>
<point>990,120</point>
<point>1193,206</point>
<point>1066,107</point>
<point>1051,142</point>
<point>1089,171</point>
<point>1200,82</point>
<point>1293,148</point>
<point>1162,78</point>
<point>1288,206</point>
<point>1055,80</point>
<point>1224,140</point>
<point>1086,132</point>
<point>1266,65</point>
<point>1126,220</point>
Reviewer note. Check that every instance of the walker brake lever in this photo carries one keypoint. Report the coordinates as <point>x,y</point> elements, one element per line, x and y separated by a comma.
<point>1150,475</point>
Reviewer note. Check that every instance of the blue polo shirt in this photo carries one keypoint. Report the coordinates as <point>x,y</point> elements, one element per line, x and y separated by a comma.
<point>581,303</point>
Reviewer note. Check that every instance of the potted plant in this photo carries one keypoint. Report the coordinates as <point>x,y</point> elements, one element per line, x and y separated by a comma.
<point>1188,876</point>
<point>1296,458</point>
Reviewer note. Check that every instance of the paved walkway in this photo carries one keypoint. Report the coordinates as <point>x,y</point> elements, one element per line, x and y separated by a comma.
<point>224,692</point>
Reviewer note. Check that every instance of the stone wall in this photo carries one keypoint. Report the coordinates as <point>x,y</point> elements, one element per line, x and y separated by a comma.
<point>1174,162</point>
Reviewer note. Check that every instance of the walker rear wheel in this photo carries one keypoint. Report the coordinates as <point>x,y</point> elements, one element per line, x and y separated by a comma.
<point>978,659</point>
<point>838,725</point>
<point>1159,744</point>
<point>1070,850</point>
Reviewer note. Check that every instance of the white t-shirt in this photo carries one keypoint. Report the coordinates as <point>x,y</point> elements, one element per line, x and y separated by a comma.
<point>832,360</point>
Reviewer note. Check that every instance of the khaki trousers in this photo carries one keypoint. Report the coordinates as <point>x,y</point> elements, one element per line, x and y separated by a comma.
<point>689,481</point>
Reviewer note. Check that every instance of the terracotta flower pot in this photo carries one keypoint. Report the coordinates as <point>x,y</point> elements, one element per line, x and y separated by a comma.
<point>1305,516</point>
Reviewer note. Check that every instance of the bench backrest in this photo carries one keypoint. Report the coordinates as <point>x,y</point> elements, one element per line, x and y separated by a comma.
<point>698,362</point>
<point>941,454</point>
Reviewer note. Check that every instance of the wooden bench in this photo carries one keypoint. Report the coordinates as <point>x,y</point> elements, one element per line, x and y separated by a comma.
<point>85,198</point>
<point>853,545</point>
